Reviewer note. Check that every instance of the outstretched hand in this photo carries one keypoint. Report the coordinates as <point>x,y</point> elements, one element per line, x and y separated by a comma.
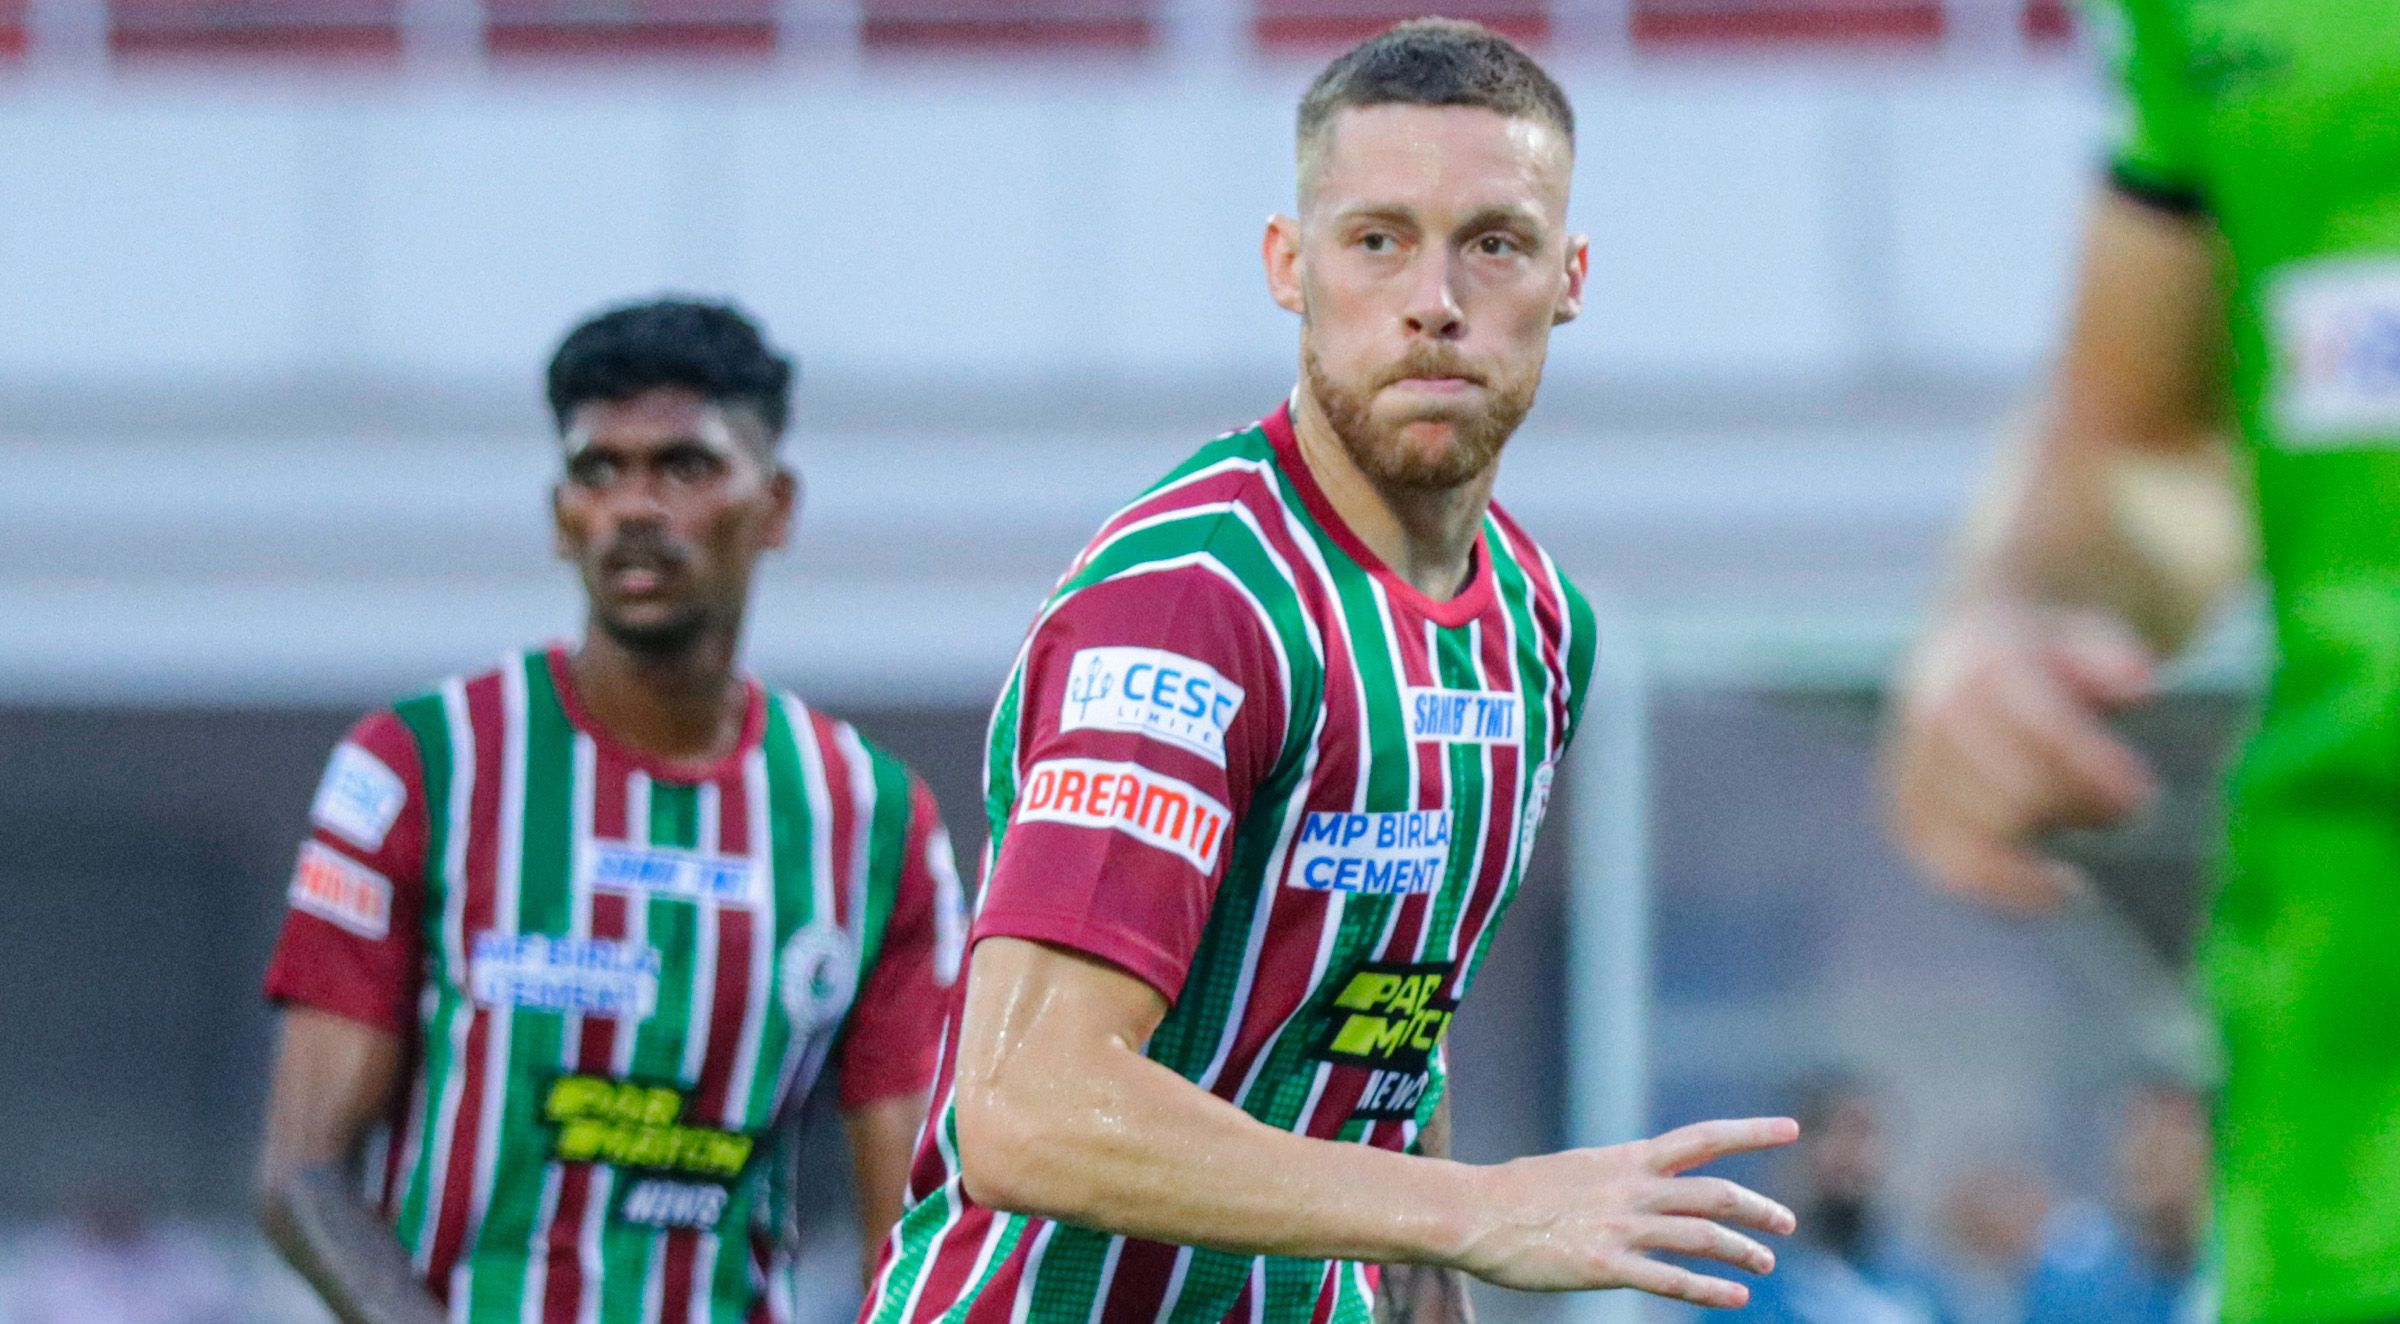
<point>1597,1218</point>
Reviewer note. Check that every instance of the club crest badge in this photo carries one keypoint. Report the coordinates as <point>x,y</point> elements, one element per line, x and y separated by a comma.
<point>816,976</point>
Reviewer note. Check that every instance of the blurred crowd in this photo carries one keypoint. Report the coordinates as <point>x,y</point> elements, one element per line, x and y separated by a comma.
<point>2005,1247</point>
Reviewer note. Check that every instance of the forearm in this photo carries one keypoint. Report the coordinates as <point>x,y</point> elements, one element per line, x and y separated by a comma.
<point>2118,493</point>
<point>344,1249</point>
<point>2154,536</point>
<point>1129,1147</point>
<point>882,1138</point>
<point>1423,1293</point>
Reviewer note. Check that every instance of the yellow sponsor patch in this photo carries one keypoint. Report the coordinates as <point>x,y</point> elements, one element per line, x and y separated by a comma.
<point>1389,1017</point>
<point>632,1125</point>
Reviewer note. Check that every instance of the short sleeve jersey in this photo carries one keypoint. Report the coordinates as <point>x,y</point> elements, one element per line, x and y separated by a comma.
<point>613,976</point>
<point>1247,764</point>
<point>2280,120</point>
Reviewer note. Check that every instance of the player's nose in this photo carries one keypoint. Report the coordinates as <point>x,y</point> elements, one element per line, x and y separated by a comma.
<point>1433,298</point>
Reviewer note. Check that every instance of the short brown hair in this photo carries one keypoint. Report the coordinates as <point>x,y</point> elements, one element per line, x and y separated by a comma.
<point>1432,62</point>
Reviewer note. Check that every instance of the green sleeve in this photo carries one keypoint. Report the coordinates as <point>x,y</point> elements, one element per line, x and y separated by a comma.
<point>2158,155</point>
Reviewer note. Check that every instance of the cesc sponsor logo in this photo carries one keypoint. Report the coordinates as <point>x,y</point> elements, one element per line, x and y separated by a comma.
<point>1394,854</point>
<point>1167,696</point>
<point>1389,1017</point>
<point>359,799</point>
<point>1461,717</point>
<point>2336,328</point>
<point>1150,807</point>
<point>686,1171</point>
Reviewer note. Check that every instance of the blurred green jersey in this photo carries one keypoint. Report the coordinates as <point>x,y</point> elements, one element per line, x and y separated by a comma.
<point>2280,119</point>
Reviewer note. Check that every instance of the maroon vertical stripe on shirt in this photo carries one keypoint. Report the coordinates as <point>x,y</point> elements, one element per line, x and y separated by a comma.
<point>486,716</point>
<point>595,1052</point>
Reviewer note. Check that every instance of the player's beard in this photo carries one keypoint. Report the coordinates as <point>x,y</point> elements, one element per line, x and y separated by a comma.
<point>1477,434</point>
<point>666,636</point>
<point>659,640</point>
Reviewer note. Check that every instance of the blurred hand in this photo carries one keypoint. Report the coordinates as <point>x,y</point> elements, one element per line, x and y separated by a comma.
<point>1999,734</point>
<point>1592,1218</point>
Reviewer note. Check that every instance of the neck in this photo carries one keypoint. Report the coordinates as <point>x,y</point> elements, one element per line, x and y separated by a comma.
<point>1426,535</point>
<point>686,707</point>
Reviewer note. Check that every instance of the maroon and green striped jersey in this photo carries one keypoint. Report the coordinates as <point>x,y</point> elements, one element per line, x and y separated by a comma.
<point>1245,762</point>
<point>615,976</point>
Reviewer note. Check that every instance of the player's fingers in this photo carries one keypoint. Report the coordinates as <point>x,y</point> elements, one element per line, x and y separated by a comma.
<point>1964,765</point>
<point>2094,777</point>
<point>2104,661</point>
<point>1681,1284</point>
<point>2007,875</point>
<point>1701,1142</point>
<point>1717,1198</point>
<point>1698,1236</point>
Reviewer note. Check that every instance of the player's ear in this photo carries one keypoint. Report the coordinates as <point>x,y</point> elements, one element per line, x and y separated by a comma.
<point>786,490</point>
<point>1279,249</point>
<point>1579,265</point>
<point>558,523</point>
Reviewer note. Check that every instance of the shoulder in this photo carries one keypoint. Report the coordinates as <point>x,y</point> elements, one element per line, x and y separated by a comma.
<point>1221,509</point>
<point>1528,571</point>
<point>447,706</point>
<point>855,764</point>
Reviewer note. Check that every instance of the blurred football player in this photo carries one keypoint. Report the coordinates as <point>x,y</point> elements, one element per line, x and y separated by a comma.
<point>2233,364</point>
<point>579,931</point>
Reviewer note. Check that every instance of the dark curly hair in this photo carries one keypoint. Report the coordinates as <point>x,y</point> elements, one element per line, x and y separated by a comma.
<point>1432,62</point>
<point>709,348</point>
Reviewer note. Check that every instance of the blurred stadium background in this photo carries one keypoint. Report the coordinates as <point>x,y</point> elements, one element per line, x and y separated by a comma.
<point>277,277</point>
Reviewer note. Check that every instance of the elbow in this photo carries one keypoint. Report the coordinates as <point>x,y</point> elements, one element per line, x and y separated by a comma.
<point>283,1199</point>
<point>1016,1158</point>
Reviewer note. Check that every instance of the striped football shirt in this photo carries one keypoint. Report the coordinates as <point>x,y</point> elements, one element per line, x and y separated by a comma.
<point>1243,761</point>
<point>614,974</point>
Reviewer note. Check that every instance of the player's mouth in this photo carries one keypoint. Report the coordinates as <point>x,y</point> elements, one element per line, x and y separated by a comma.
<point>1437,385</point>
<point>638,575</point>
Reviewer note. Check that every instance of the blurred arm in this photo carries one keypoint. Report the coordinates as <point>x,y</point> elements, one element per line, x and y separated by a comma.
<point>2108,531</point>
<point>882,1138</point>
<point>1060,1116</point>
<point>2120,498</point>
<point>333,1078</point>
<point>1417,1293</point>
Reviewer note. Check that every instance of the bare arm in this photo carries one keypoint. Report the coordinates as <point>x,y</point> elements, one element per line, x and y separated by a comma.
<point>2119,498</point>
<point>1061,1116</point>
<point>1418,1293</point>
<point>2106,535</point>
<point>882,1138</point>
<point>333,1078</point>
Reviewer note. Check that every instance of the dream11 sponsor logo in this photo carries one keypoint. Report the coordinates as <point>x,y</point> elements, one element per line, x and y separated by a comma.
<point>1150,691</point>
<point>1150,807</point>
<point>340,890</point>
